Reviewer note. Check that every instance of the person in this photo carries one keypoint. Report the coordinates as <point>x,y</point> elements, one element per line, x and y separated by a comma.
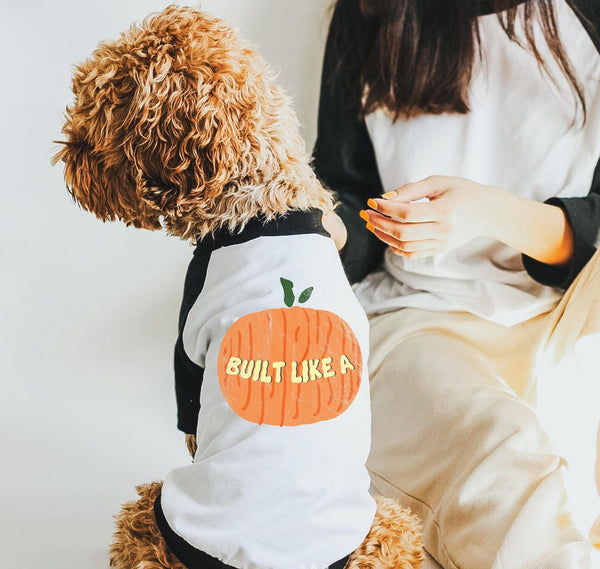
<point>466,135</point>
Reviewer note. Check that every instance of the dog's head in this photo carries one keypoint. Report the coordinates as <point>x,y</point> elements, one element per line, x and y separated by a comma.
<point>178,123</point>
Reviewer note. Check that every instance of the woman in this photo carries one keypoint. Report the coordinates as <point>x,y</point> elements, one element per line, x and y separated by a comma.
<point>479,122</point>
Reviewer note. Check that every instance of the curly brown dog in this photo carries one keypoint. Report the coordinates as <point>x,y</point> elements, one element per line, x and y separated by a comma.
<point>178,125</point>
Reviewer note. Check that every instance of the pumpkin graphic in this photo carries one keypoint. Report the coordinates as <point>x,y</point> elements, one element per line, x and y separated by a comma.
<point>289,366</point>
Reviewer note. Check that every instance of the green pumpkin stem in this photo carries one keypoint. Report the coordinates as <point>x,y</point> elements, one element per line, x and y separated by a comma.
<point>288,293</point>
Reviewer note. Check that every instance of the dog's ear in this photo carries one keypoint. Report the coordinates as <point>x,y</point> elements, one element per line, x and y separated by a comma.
<point>99,186</point>
<point>82,173</point>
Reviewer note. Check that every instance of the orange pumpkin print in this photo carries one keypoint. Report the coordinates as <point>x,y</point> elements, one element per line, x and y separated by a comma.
<point>290,366</point>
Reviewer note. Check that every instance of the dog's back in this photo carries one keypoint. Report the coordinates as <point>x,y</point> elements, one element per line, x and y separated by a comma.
<point>278,398</point>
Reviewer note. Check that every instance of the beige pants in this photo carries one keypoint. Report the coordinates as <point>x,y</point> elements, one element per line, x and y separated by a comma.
<point>456,438</point>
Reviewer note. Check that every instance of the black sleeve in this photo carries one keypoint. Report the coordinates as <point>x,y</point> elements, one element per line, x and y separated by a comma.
<point>583,215</point>
<point>344,161</point>
<point>189,375</point>
<point>188,381</point>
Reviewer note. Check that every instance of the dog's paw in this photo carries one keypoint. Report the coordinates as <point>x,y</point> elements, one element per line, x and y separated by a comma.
<point>192,446</point>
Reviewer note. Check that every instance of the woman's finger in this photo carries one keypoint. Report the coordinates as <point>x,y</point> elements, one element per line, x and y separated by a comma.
<point>427,188</point>
<point>403,231</point>
<point>421,212</point>
<point>406,248</point>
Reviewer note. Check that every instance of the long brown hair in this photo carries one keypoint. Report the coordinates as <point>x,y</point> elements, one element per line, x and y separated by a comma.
<point>416,56</point>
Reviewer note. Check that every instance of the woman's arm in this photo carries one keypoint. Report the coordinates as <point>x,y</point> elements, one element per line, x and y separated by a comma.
<point>459,210</point>
<point>583,218</point>
<point>557,238</point>
<point>344,160</point>
<point>538,230</point>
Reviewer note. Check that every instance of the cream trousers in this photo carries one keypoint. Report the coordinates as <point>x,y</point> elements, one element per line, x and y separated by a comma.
<point>456,436</point>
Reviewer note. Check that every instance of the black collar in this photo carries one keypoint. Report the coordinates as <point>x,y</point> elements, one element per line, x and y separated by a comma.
<point>293,223</point>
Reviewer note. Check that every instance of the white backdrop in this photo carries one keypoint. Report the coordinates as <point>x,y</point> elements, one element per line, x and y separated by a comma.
<point>89,310</point>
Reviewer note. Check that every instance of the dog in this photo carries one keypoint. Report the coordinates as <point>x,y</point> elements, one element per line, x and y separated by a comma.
<point>178,125</point>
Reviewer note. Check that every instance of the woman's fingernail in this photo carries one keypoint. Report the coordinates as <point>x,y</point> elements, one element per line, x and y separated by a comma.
<point>389,195</point>
<point>370,228</point>
<point>364,215</point>
<point>372,204</point>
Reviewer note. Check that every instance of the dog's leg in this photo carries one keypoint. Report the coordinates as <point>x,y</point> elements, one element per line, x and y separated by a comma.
<point>138,542</point>
<point>394,541</point>
<point>190,442</point>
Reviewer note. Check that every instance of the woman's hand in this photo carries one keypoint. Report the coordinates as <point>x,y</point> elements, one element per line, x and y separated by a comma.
<point>459,210</point>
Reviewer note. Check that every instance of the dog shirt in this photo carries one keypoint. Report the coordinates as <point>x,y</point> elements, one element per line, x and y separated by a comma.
<point>270,372</point>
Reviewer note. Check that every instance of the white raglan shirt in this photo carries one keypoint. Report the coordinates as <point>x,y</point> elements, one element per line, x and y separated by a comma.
<point>261,496</point>
<point>508,94</point>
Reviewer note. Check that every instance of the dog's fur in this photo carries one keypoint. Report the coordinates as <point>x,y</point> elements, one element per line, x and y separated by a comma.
<point>393,542</point>
<point>178,124</point>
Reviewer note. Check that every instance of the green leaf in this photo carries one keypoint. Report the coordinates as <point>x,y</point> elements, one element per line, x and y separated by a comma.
<point>305,295</point>
<point>288,293</point>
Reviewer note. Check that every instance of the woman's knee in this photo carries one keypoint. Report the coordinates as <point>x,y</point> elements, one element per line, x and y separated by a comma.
<point>443,416</point>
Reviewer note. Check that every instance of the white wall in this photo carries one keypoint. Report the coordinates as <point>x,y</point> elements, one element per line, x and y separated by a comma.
<point>88,310</point>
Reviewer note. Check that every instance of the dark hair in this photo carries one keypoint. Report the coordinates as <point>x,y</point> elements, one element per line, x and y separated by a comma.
<point>416,56</point>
